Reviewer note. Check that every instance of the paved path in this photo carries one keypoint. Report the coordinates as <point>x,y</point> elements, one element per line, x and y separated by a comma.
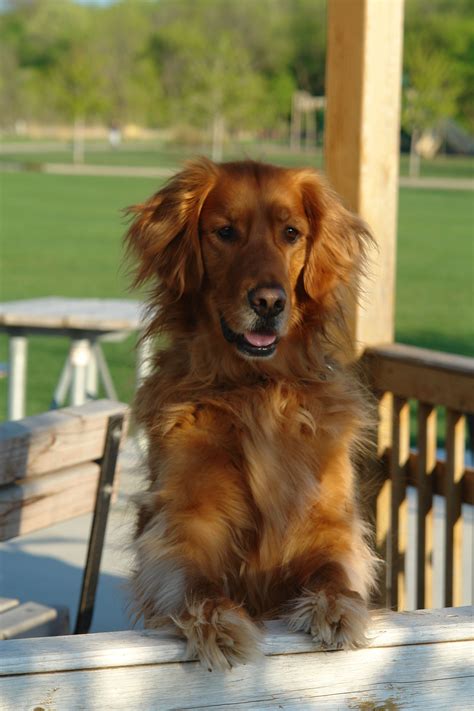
<point>438,183</point>
<point>125,171</point>
<point>120,171</point>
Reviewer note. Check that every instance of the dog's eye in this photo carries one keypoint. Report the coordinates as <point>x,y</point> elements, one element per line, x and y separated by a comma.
<point>291,234</point>
<point>226,233</point>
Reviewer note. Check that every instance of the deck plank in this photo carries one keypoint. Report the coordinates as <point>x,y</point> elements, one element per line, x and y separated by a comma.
<point>128,649</point>
<point>312,681</point>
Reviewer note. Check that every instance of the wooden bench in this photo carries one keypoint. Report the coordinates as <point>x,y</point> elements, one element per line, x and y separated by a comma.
<point>415,660</point>
<point>53,467</point>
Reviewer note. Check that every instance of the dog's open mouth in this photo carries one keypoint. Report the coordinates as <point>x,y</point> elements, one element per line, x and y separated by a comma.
<point>260,343</point>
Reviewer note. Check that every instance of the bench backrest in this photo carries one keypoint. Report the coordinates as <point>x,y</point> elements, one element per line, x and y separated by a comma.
<point>50,465</point>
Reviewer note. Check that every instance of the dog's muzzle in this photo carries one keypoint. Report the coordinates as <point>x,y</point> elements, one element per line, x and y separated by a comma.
<point>261,342</point>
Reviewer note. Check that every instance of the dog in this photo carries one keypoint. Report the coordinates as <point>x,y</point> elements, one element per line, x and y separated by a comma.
<point>252,419</point>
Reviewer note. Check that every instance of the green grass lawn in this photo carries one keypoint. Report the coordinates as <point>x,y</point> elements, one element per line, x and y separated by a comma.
<point>435,270</point>
<point>157,154</point>
<point>63,236</point>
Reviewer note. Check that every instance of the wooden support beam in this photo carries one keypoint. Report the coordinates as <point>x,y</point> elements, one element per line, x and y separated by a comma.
<point>363,86</point>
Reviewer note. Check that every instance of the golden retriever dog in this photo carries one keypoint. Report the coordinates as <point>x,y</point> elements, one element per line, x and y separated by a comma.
<point>251,510</point>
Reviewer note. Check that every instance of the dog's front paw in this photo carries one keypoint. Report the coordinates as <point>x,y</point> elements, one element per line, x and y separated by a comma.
<point>336,620</point>
<point>219,633</point>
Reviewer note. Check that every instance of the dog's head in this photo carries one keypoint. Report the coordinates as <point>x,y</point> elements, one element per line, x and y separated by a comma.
<point>259,245</point>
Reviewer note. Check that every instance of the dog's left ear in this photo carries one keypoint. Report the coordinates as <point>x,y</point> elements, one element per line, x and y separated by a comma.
<point>164,234</point>
<point>338,241</point>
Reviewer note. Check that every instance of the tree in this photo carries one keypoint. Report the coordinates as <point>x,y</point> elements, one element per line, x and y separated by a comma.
<point>131,84</point>
<point>76,87</point>
<point>438,68</point>
<point>431,95</point>
<point>60,72</point>
<point>212,64</point>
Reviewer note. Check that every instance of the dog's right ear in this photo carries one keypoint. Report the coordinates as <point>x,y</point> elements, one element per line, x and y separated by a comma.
<point>164,234</point>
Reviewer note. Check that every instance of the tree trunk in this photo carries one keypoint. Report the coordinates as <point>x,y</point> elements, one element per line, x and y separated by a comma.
<point>310,125</point>
<point>78,141</point>
<point>217,137</point>
<point>295,129</point>
<point>414,168</point>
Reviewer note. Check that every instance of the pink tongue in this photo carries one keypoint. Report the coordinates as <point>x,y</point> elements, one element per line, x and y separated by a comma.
<point>259,339</point>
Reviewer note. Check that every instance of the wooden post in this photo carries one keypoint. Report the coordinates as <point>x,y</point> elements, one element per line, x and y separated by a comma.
<point>363,87</point>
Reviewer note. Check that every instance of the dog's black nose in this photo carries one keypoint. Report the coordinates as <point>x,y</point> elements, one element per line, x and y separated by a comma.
<point>267,301</point>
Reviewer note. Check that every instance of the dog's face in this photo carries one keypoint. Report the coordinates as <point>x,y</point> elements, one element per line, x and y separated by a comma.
<point>255,241</point>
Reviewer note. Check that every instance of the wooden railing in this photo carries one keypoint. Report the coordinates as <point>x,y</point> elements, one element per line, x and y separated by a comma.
<point>399,375</point>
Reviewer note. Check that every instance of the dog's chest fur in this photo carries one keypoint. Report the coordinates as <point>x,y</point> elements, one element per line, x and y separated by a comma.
<point>278,439</point>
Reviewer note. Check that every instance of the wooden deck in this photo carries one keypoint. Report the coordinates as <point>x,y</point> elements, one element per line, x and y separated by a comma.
<point>417,660</point>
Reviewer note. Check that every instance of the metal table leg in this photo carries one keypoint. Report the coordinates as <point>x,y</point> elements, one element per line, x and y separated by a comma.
<point>92,387</point>
<point>18,353</point>
<point>79,355</point>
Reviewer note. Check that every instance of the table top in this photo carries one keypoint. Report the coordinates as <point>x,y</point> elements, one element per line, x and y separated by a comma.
<point>59,313</point>
<point>416,660</point>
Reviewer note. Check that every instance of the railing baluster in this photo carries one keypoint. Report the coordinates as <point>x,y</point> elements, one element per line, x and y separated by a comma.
<point>398,505</point>
<point>455,450</point>
<point>426,466</point>
<point>381,499</point>
<point>435,380</point>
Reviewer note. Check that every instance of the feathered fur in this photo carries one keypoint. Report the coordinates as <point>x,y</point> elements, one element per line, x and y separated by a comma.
<point>252,500</point>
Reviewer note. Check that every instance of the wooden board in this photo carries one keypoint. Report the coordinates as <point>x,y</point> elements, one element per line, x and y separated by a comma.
<point>432,377</point>
<point>55,439</point>
<point>6,603</point>
<point>55,312</point>
<point>33,620</point>
<point>426,677</point>
<point>42,501</point>
<point>128,648</point>
<point>146,671</point>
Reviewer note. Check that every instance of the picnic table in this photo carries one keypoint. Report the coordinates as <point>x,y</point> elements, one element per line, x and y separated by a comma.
<point>86,322</point>
<point>415,660</point>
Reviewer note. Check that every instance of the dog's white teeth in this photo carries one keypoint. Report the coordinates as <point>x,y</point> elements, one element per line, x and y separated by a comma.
<point>259,340</point>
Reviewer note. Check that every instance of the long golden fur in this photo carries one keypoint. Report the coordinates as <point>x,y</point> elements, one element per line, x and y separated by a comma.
<point>252,422</point>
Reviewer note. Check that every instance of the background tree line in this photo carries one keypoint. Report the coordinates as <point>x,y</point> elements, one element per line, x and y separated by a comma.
<point>209,64</point>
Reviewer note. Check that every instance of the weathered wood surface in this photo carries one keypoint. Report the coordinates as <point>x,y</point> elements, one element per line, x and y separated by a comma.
<point>33,620</point>
<point>128,648</point>
<point>415,660</point>
<point>83,314</point>
<point>362,128</point>
<point>42,501</point>
<point>6,603</point>
<point>429,376</point>
<point>55,439</point>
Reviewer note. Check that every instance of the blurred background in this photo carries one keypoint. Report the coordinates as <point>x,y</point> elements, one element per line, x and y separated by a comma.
<point>101,101</point>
